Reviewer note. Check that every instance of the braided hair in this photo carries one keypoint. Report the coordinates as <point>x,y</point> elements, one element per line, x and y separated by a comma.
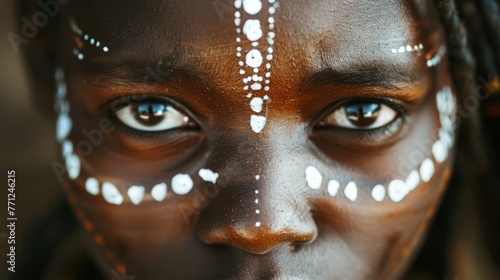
<point>472,30</point>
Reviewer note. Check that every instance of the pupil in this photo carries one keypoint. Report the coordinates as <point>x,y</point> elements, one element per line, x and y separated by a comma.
<point>362,114</point>
<point>149,113</point>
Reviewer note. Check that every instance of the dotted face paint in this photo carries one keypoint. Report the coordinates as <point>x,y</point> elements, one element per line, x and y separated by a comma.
<point>255,53</point>
<point>181,183</point>
<point>436,59</point>
<point>398,189</point>
<point>408,49</point>
<point>82,39</point>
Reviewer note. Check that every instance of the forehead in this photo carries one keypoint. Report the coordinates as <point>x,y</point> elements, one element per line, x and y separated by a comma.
<point>310,33</point>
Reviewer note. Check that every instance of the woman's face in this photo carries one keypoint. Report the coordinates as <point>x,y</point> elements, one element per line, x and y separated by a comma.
<point>255,138</point>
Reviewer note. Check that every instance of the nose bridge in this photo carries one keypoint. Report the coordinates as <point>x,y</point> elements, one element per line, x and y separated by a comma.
<point>260,207</point>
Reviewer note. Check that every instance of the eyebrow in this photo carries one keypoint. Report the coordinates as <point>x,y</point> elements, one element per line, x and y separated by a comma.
<point>101,72</point>
<point>378,75</point>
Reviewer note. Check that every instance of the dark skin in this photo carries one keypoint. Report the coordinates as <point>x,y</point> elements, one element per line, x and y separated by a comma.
<point>326,53</point>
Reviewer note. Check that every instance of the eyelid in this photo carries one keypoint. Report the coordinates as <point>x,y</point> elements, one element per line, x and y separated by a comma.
<point>113,106</point>
<point>396,105</point>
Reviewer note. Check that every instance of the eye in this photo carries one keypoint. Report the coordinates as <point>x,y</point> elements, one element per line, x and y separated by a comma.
<point>152,116</point>
<point>361,115</point>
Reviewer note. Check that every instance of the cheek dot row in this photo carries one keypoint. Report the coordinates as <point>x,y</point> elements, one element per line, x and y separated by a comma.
<point>398,189</point>
<point>254,61</point>
<point>64,125</point>
<point>181,183</point>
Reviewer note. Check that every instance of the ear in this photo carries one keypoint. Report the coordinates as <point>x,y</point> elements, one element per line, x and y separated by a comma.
<point>38,39</point>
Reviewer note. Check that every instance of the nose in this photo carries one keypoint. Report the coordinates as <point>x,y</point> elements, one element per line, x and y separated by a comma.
<point>257,219</point>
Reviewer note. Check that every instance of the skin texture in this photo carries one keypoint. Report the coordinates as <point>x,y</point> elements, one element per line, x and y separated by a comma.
<point>326,53</point>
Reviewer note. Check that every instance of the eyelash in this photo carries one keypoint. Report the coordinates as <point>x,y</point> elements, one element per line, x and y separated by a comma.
<point>371,136</point>
<point>124,101</point>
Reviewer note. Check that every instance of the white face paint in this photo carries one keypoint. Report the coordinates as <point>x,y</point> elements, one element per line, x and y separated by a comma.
<point>63,127</point>
<point>252,51</point>
<point>67,148</point>
<point>136,194</point>
<point>182,184</point>
<point>254,58</point>
<point>313,177</point>
<point>333,187</point>
<point>408,48</point>
<point>159,192</point>
<point>257,123</point>
<point>252,7</point>
<point>378,193</point>
<point>436,59</point>
<point>351,191</point>
<point>256,104</point>
<point>86,39</point>
<point>426,170</point>
<point>252,29</point>
<point>398,189</point>
<point>111,194</point>
<point>413,180</point>
<point>92,186</point>
<point>208,175</point>
<point>73,166</point>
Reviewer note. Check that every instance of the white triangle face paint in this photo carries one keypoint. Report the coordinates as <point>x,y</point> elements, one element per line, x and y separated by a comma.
<point>136,194</point>
<point>111,194</point>
<point>92,186</point>
<point>182,184</point>
<point>351,191</point>
<point>159,192</point>
<point>257,123</point>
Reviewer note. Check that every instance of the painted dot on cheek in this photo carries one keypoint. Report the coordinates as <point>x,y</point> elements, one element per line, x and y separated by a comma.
<point>136,194</point>
<point>92,186</point>
<point>73,166</point>
<point>427,170</point>
<point>63,127</point>
<point>378,193</point>
<point>397,190</point>
<point>67,148</point>
<point>351,191</point>
<point>159,191</point>
<point>440,151</point>
<point>313,177</point>
<point>333,187</point>
<point>413,180</point>
<point>111,194</point>
<point>182,184</point>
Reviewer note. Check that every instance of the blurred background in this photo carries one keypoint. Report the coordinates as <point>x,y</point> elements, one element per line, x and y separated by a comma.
<point>26,144</point>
